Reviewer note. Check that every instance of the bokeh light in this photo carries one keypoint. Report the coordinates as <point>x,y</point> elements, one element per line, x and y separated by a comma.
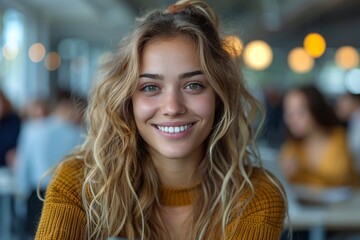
<point>37,52</point>
<point>52,61</point>
<point>10,50</point>
<point>347,57</point>
<point>233,45</point>
<point>299,61</point>
<point>315,45</point>
<point>352,81</point>
<point>258,55</point>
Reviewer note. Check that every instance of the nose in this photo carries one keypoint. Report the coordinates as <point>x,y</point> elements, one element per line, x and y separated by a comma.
<point>173,104</point>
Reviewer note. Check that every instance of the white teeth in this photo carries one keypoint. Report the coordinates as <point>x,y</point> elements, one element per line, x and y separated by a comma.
<point>174,129</point>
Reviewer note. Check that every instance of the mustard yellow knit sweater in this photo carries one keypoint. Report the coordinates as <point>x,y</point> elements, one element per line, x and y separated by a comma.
<point>64,218</point>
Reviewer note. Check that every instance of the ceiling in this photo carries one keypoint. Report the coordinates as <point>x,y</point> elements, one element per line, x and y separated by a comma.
<point>281,22</point>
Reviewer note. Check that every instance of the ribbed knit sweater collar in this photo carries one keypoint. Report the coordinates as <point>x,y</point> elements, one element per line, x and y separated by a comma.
<point>177,197</point>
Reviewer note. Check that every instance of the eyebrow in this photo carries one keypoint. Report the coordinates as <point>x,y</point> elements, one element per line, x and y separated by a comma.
<point>190,74</point>
<point>181,76</point>
<point>152,76</point>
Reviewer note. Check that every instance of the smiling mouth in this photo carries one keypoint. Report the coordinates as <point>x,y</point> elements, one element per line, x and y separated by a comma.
<point>174,129</point>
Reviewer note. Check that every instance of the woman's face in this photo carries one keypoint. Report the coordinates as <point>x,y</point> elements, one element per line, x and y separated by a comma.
<point>174,104</point>
<point>297,115</point>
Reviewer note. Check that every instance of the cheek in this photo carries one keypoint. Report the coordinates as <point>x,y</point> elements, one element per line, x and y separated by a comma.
<point>300,121</point>
<point>205,108</point>
<point>143,109</point>
<point>309,122</point>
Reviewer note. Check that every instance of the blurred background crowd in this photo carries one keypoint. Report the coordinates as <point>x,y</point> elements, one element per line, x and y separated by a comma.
<point>300,59</point>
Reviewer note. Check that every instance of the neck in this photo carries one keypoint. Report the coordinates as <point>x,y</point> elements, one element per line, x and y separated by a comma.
<point>176,173</point>
<point>315,135</point>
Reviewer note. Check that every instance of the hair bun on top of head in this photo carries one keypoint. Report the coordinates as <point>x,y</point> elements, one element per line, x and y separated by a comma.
<point>197,5</point>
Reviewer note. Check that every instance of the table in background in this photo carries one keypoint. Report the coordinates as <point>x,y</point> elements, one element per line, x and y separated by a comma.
<point>316,219</point>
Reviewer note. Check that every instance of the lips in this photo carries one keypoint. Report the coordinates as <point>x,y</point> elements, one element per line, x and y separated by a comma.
<point>174,129</point>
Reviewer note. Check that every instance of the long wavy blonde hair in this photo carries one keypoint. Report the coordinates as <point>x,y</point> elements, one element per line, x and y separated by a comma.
<point>121,187</point>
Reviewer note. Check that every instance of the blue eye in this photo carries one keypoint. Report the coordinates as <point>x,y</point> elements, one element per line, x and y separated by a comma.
<point>194,86</point>
<point>150,88</point>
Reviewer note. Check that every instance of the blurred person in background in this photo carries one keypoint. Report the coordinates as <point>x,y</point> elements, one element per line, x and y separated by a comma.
<point>36,109</point>
<point>10,124</point>
<point>315,153</point>
<point>43,142</point>
<point>348,110</point>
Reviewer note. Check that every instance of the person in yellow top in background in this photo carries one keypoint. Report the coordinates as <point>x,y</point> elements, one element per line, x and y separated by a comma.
<point>170,153</point>
<point>348,110</point>
<point>316,152</point>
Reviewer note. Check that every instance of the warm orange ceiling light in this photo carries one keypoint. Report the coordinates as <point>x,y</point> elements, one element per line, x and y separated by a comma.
<point>37,52</point>
<point>315,45</point>
<point>299,60</point>
<point>258,55</point>
<point>52,61</point>
<point>347,57</point>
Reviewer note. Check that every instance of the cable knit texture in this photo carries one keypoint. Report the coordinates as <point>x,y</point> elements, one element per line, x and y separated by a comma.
<point>63,215</point>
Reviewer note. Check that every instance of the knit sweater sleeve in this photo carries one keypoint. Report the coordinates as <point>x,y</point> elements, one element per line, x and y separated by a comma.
<point>263,218</point>
<point>63,216</point>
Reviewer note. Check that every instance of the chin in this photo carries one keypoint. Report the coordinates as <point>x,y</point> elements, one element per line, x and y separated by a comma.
<point>298,135</point>
<point>174,154</point>
<point>297,132</point>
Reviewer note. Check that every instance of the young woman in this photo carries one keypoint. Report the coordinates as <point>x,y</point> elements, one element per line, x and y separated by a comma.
<point>170,151</point>
<point>316,152</point>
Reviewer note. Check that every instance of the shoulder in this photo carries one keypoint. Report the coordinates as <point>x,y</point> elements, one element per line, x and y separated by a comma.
<point>14,117</point>
<point>290,146</point>
<point>266,185</point>
<point>338,132</point>
<point>264,215</point>
<point>32,126</point>
<point>11,120</point>
<point>338,138</point>
<point>70,167</point>
<point>63,215</point>
<point>67,180</point>
<point>268,203</point>
<point>69,172</point>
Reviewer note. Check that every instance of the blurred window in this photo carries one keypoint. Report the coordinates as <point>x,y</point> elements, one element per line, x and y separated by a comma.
<point>74,71</point>
<point>13,55</point>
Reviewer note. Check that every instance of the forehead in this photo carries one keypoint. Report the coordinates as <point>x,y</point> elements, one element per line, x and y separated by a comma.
<point>169,52</point>
<point>295,98</point>
<point>180,40</point>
